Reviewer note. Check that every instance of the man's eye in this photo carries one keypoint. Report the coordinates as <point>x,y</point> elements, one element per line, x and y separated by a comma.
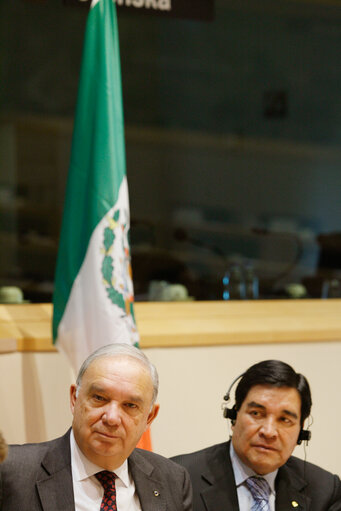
<point>130,405</point>
<point>254,413</point>
<point>97,397</point>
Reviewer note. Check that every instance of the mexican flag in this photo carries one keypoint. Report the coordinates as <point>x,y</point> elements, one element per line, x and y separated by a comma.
<point>93,295</point>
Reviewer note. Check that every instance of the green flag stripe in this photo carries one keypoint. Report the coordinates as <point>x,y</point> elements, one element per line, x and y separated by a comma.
<point>97,163</point>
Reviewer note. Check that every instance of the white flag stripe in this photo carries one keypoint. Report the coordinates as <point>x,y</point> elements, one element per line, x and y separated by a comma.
<point>81,333</point>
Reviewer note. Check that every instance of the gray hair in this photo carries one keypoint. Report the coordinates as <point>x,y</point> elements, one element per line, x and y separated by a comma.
<point>124,350</point>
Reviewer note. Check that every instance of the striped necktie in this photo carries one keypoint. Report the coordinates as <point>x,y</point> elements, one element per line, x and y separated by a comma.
<point>260,491</point>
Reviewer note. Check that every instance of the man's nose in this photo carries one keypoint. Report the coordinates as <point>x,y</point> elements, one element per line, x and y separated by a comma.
<point>112,414</point>
<point>269,428</point>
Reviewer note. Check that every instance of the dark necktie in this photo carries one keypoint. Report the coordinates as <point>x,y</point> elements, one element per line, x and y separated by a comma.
<point>107,480</point>
<point>260,491</point>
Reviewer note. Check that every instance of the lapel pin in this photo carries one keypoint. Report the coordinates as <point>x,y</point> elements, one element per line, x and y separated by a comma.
<point>294,503</point>
<point>156,493</point>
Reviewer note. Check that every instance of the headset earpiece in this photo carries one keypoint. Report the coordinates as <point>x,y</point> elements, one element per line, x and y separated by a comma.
<point>304,436</point>
<point>230,413</point>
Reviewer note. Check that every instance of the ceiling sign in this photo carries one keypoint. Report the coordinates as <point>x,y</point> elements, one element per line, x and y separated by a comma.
<point>188,9</point>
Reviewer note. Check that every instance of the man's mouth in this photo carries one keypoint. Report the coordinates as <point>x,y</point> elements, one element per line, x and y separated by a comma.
<point>110,436</point>
<point>266,448</point>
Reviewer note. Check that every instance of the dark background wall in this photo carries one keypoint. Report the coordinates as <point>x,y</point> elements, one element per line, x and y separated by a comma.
<point>231,126</point>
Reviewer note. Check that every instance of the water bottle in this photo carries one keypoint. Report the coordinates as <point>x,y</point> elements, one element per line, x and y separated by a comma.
<point>251,283</point>
<point>234,285</point>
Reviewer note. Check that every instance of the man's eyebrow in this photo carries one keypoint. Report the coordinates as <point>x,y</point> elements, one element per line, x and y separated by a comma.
<point>96,388</point>
<point>103,390</point>
<point>292,414</point>
<point>253,404</point>
<point>134,399</point>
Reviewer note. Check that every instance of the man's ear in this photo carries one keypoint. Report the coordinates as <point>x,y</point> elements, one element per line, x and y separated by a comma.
<point>73,397</point>
<point>152,414</point>
<point>233,422</point>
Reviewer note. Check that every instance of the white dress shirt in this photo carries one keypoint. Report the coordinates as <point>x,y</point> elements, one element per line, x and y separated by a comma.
<point>88,491</point>
<point>243,472</point>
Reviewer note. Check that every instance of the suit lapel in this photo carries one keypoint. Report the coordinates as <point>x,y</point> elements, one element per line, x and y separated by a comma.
<point>56,492</point>
<point>54,483</point>
<point>221,493</point>
<point>290,491</point>
<point>150,489</point>
<point>217,499</point>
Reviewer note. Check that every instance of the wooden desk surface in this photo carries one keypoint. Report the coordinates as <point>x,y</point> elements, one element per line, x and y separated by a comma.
<point>164,324</point>
<point>8,345</point>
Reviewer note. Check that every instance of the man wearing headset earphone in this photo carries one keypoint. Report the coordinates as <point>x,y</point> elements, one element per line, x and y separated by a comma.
<point>255,471</point>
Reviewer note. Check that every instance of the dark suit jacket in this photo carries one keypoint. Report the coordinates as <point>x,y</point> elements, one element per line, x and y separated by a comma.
<point>214,487</point>
<point>38,477</point>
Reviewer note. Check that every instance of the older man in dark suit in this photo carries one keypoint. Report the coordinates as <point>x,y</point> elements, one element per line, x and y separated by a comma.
<point>255,470</point>
<point>95,465</point>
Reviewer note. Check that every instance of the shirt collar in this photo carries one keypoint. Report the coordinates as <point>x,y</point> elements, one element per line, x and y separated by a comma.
<point>243,472</point>
<point>82,467</point>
